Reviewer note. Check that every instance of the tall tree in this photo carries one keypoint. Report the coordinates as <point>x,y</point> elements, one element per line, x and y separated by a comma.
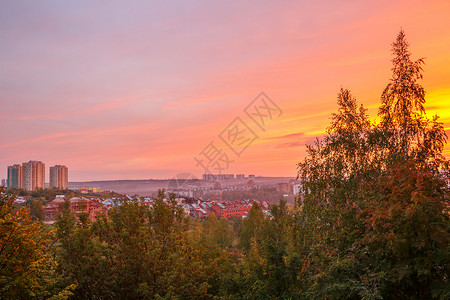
<point>403,117</point>
<point>364,237</point>
<point>403,98</point>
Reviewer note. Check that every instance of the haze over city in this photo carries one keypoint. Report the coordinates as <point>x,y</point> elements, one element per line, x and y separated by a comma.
<point>120,91</point>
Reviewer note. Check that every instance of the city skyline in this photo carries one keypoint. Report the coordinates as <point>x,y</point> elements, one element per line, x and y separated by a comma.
<point>31,175</point>
<point>136,91</point>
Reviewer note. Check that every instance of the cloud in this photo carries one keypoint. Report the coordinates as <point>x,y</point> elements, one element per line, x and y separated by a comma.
<point>58,116</point>
<point>286,136</point>
<point>298,137</point>
<point>289,145</point>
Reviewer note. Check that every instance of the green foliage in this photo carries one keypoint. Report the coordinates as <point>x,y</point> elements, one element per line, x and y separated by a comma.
<point>373,214</point>
<point>269,194</point>
<point>36,210</point>
<point>27,270</point>
<point>44,194</point>
<point>251,226</point>
<point>407,233</point>
<point>267,269</point>
<point>403,98</point>
<point>217,232</point>
<point>402,111</point>
<point>137,252</point>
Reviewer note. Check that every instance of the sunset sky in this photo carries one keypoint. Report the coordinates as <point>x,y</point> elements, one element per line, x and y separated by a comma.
<point>137,89</point>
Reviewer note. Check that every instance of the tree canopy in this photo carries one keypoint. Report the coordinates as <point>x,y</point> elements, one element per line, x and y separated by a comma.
<point>374,202</point>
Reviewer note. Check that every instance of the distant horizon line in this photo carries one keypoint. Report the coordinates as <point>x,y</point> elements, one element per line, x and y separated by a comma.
<point>165,179</point>
<point>162,179</point>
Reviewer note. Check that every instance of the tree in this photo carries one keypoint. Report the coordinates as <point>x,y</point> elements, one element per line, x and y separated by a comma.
<point>36,210</point>
<point>27,270</point>
<point>407,233</point>
<point>371,217</point>
<point>403,113</point>
<point>403,98</point>
<point>251,226</point>
<point>138,252</point>
<point>266,269</point>
<point>217,232</point>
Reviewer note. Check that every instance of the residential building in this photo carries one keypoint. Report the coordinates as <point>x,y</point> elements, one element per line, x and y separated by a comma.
<point>232,209</point>
<point>209,177</point>
<point>225,176</point>
<point>59,177</point>
<point>296,188</point>
<point>284,187</point>
<point>33,175</point>
<point>93,207</point>
<point>88,190</point>
<point>15,176</point>
<point>214,177</point>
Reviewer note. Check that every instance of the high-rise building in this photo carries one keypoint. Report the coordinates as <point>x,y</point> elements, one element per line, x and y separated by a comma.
<point>34,175</point>
<point>213,177</point>
<point>59,177</point>
<point>225,176</point>
<point>15,176</point>
<point>209,177</point>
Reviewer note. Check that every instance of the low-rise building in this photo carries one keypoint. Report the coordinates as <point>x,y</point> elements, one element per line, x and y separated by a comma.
<point>93,207</point>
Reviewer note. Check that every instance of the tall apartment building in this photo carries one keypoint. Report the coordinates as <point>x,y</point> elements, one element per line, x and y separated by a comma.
<point>59,177</point>
<point>15,176</point>
<point>33,175</point>
<point>213,177</point>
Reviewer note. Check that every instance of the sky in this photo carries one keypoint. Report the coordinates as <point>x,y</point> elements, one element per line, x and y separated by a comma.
<point>148,89</point>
